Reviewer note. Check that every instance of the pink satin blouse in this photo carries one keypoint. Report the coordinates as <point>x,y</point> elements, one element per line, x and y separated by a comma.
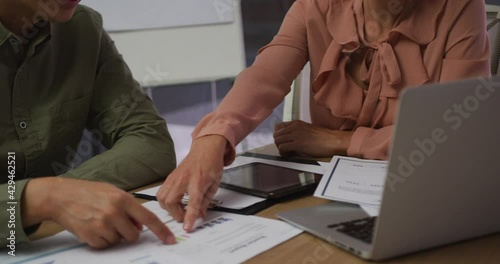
<point>437,41</point>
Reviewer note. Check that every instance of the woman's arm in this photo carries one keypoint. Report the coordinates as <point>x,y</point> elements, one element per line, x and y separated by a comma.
<point>262,86</point>
<point>467,51</point>
<point>256,92</point>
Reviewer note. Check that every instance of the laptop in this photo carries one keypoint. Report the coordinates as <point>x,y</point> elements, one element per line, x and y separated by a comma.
<point>443,179</point>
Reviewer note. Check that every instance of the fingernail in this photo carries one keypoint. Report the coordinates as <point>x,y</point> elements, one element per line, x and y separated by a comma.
<point>186,226</point>
<point>171,240</point>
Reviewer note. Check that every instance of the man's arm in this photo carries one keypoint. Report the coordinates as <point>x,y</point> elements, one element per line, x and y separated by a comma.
<point>140,152</point>
<point>125,120</point>
<point>99,214</point>
<point>11,228</point>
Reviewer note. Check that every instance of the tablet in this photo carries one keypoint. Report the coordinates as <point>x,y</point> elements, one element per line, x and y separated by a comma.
<point>268,181</point>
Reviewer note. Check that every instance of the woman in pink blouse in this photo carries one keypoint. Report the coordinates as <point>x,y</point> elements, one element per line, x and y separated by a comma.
<point>362,54</point>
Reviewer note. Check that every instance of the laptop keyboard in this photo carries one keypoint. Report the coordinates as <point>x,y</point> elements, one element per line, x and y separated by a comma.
<point>361,229</point>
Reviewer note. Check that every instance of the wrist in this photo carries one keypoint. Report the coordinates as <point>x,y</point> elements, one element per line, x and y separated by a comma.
<point>36,201</point>
<point>341,142</point>
<point>216,143</point>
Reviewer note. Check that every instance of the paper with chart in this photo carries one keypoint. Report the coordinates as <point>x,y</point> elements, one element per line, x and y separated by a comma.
<point>222,238</point>
<point>353,180</point>
<point>126,15</point>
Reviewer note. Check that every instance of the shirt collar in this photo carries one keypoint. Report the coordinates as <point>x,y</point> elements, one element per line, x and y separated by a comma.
<point>4,34</point>
<point>418,22</point>
<point>44,35</point>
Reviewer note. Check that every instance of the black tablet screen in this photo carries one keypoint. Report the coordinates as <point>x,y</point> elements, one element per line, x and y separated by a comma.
<point>267,180</point>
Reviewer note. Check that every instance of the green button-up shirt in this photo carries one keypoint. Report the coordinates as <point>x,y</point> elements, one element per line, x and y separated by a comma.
<point>72,78</point>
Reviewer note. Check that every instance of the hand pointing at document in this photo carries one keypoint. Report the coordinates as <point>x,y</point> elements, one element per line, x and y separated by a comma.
<point>99,214</point>
<point>199,176</point>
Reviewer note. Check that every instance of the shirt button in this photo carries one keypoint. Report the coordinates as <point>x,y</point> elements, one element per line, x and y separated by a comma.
<point>23,125</point>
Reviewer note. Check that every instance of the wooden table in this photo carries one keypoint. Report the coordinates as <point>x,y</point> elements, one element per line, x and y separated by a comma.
<point>308,249</point>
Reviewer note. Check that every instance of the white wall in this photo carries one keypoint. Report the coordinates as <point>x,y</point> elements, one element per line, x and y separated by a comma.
<point>184,106</point>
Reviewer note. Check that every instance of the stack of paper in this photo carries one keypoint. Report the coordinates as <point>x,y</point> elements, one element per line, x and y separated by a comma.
<point>230,199</point>
<point>354,180</point>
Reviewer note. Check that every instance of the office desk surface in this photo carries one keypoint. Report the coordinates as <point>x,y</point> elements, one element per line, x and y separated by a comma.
<point>308,249</point>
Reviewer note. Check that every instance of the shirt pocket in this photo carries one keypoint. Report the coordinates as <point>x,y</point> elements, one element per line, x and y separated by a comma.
<point>70,119</point>
<point>74,111</point>
<point>64,133</point>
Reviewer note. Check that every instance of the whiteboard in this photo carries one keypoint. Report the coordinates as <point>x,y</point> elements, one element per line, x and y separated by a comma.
<point>124,15</point>
<point>179,55</point>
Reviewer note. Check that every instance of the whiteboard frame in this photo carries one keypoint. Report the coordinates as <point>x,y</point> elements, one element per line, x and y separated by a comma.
<point>154,14</point>
<point>182,55</point>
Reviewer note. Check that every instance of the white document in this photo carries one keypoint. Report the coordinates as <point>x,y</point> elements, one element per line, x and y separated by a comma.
<point>64,241</point>
<point>243,160</point>
<point>371,210</point>
<point>222,238</point>
<point>230,199</point>
<point>125,15</point>
<point>353,180</point>
<point>324,164</point>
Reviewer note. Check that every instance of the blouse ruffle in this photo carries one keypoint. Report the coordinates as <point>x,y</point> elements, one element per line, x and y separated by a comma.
<point>387,73</point>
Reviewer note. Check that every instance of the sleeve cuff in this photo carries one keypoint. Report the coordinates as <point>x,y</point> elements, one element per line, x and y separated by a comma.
<point>12,231</point>
<point>357,139</point>
<point>221,130</point>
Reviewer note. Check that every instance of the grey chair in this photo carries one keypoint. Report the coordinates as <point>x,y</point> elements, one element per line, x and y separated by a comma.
<point>296,106</point>
<point>493,17</point>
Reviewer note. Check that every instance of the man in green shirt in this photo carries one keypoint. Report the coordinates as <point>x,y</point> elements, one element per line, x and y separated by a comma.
<point>59,74</point>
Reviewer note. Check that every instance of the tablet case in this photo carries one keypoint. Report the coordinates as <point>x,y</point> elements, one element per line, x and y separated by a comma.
<point>250,210</point>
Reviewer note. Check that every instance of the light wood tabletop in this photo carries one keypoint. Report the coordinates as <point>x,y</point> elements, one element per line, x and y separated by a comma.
<point>308,249</point>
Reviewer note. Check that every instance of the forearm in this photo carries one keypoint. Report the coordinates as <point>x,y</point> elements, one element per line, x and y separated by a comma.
<point>36,203</point>
<point>255,94</point>
<point>135,160</point>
